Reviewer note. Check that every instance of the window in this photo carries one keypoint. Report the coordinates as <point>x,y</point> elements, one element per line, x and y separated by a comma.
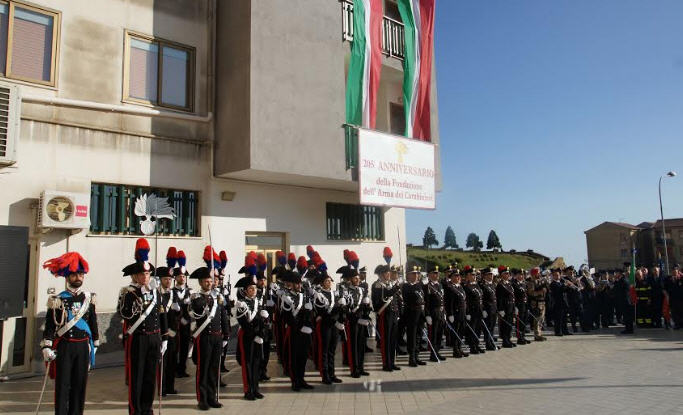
<point>28,42</point>
<point>391,10</point>
<point>158,72</point>
<point>112,210</point>
<point>354,222</point>
<point>397,119</point>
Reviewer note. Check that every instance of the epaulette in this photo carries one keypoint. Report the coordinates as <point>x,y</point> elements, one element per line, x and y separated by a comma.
<point>377,284</point>
<point>54,302</point>
<point>125,290</point>
<point>194,295</point>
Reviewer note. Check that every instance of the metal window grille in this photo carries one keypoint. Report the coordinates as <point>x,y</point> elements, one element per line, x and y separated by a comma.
<point>354,222</point>
<point>112,210</point>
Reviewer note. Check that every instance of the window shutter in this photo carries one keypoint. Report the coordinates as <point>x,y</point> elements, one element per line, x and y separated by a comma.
<point>94,208</point>
<point>32,45</point>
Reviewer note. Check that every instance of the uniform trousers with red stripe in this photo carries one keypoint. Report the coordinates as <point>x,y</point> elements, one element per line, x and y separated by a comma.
<point>250,357</point>
<point>71,368</point>
<point>209,348</point>
<point>144,352</point>
<point>388,328</point>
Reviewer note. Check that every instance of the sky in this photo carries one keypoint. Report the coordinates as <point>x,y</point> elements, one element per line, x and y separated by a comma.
<point>554,117</point>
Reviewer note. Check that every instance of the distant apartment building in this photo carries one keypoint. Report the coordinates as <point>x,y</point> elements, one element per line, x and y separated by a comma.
<point>609,245</point>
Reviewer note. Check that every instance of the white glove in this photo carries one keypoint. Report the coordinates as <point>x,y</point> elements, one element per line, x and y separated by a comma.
<point>306,330</point>
<point>363,322</point>
<point>288,300</point>
<point>516,311</point>
<point>49,354</point>
<point>308,306</point>
<point>366,300</point>
<point>339,326</point>
<point>264,313</point>
<point>341,301</point>
<point>171,333</point>
<point>175,307</point>
<point>164,346</point>
<point>501,313</point>
<point>258,340</point>
<point>429,320</point>
<point>451,319</point>
<point>280,292</point>
<point>270,303</point>
<point>225,343</point>
<point>187,300</point>
<point>468,317</point>
<point>485,314</point>
<point>183,321</point>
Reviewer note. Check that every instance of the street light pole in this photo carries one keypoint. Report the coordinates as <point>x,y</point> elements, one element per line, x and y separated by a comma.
<point>661,212</point>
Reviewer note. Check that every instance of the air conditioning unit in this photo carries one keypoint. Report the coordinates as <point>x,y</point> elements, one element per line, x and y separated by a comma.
<point>10,117</point>
<point>64,210</point>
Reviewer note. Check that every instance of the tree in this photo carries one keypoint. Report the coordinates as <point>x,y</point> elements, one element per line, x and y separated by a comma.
<point>493,241</point>
<point>430,238</point>
<point>474,242</point>
<point>449,239</point>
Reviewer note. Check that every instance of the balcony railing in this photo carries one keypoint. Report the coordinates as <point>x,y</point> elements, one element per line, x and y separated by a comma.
<point>393,32</point>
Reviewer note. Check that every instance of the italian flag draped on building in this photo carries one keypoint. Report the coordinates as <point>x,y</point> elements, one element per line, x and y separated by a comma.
<point>418,18</point>
<point>366,63</point>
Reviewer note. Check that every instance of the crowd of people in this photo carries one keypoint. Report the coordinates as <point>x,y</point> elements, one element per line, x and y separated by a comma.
<point>298,312</point>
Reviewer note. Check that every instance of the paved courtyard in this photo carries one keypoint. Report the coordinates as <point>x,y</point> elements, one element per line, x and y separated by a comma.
<point>598,373</point>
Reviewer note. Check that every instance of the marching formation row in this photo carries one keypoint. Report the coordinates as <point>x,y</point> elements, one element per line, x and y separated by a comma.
<point>300,313</point>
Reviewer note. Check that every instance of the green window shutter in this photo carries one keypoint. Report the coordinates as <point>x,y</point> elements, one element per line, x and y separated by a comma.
<point>193,214</point>
<point>121,209</point>
<point>94,208</point>
<point>114,210</point>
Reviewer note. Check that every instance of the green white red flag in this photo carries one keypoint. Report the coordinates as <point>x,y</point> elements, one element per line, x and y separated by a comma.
<point>418,18</point>
<point>365,64</point>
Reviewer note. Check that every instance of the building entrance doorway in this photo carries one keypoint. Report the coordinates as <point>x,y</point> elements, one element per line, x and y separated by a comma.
<point>267,243</point>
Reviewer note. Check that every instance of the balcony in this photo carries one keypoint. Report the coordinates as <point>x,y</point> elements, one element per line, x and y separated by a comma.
<point>393,32</point>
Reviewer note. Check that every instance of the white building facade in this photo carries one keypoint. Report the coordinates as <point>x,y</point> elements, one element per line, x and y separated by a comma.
<point>232,110</point>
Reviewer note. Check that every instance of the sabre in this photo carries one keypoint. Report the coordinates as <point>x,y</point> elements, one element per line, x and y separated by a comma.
<point>42,391</point>
<point>400,254</point>
<point>472,330</point>
<point>424,332</point>
<point>161,379</point>
<point>534,317</point>
<point>489,333</point>
<point>218,369</point>
<point>376,331</point>
<point>505,321</point>
<point>453,330</point>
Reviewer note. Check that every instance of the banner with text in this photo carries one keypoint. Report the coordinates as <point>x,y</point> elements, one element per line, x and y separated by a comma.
<point>395,171</point>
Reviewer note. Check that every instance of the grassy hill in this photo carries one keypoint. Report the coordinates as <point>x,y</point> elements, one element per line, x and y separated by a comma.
<point>425,258</point>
